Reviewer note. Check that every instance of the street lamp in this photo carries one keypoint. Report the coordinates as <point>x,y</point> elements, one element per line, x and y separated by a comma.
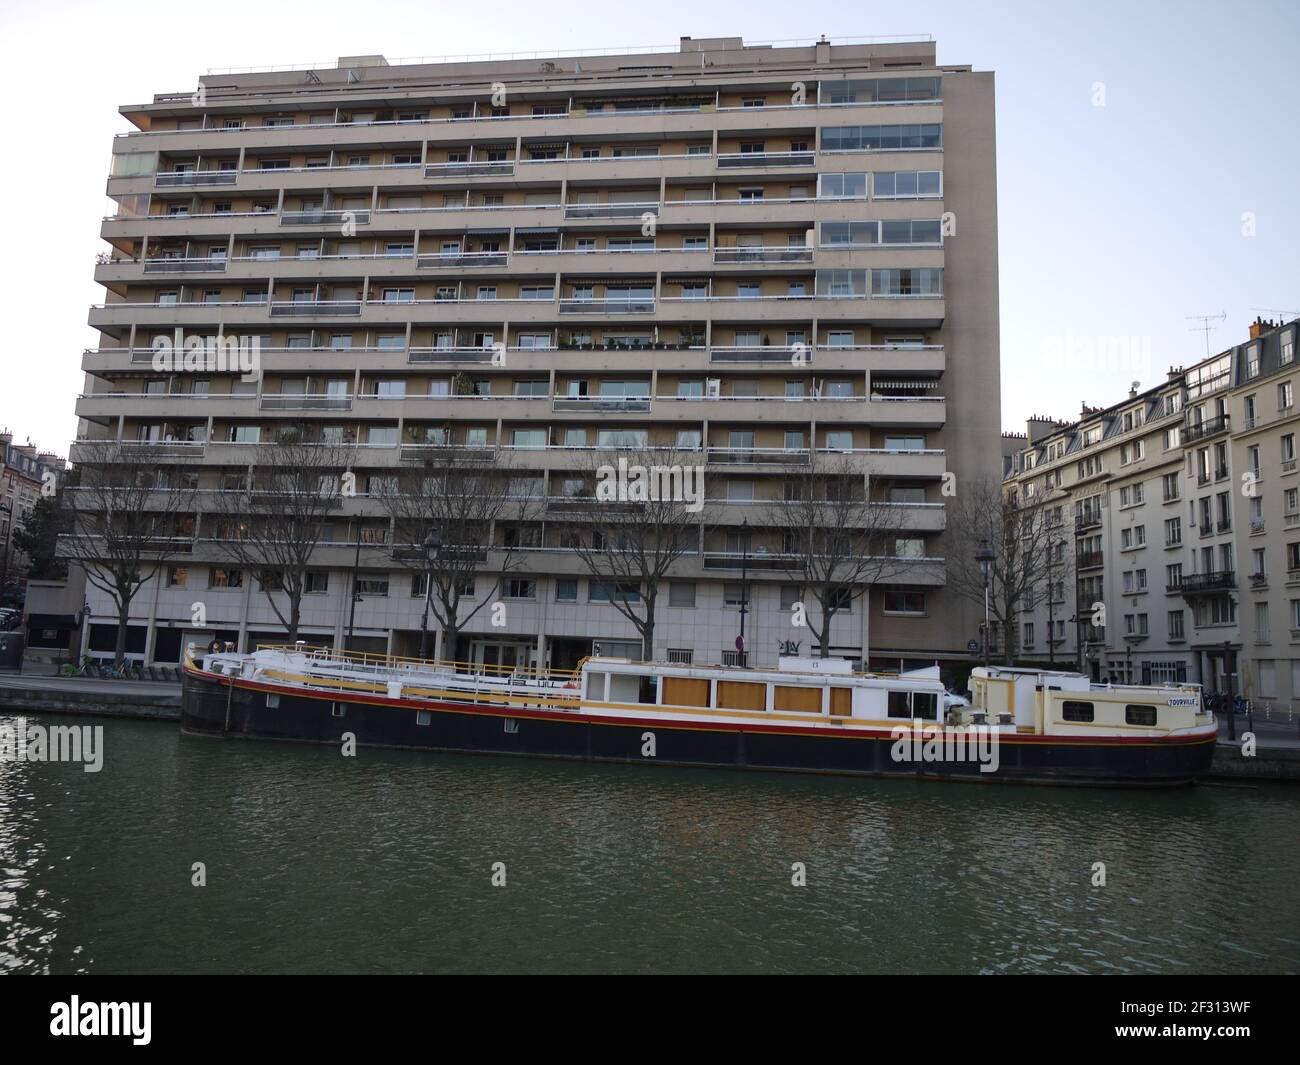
<point>744,588</point>
<point>432,545</point>
<point>985,558</point>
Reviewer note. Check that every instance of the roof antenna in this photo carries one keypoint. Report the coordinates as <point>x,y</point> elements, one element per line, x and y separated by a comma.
<point>1205,327</point>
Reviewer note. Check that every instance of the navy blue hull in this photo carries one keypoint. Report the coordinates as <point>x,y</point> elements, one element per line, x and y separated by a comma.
<point>214,707</point>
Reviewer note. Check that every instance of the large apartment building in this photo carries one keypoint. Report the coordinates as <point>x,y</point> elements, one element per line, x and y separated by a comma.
<point>755,255</point>
<point>1182,503</point>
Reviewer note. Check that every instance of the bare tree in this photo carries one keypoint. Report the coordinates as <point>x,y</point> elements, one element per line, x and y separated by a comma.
<point>644,511</point>
<point>128,516</point>
<point>446,511</point>
<point>276,522</point>
<point>837,541</point>
<point>1028,546</point>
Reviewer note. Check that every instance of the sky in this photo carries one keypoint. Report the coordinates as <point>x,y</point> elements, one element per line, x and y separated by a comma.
<point>1147,156</point>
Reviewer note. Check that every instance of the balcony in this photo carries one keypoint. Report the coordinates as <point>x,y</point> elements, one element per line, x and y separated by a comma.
<point>215,264</point>
<point>733,160</point>
<point>477,356</point>
<point>1090,559</point>
<point>758,456</point>
<point>1208,428</point>
<point>602,404</point>
<point>610,210</point>
<point>793,354</point>
<point>1087,521</point>
<point>314,308</point>
<point>614,305</point>
<point>189,178</point>
<point>799,254</point>
<point>471,258</point>
<point>285,401</point>
<point>476,168</point>
<point>323,218</point>
<point>1208,583</point>
<point>419,454</point>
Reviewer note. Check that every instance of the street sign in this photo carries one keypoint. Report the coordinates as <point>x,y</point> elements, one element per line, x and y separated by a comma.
<point>740,643</point>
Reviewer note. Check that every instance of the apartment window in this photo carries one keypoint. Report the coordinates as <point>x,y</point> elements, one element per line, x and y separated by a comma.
<point>520,588</point>
<point>1176,625</point>
<point>907,184</point>
<point>1252,361</point>
<point>842,186</point>
<point>1285,397</point>
<point>1287,353</point>
<point>1169,487</point>
<point>317,582</point>
<point>897,601</point>
<point>681,594</point>
<point>372,584</point>
<point>1173,438</point>
<point>1173,576</point>
<point>1173,532</point>
<point>225,578</point>
<point>177,576</point>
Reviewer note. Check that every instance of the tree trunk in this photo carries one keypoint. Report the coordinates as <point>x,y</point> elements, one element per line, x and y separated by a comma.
<point>123,615</point>
<point>295,613</point>
<point>648,641</point>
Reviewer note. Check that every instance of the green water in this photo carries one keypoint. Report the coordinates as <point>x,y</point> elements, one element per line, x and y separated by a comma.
<point>384,862</point>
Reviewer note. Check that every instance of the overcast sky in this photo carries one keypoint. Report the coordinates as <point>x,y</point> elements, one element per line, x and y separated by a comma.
<point>1138,146</point>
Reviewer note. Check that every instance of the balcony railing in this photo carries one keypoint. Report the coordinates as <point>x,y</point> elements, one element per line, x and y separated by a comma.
<point>1209,427</point>
<point>466,258</point>
<point>421,453</point>
<point>323,218</point>
<point>177,179</point>
<point>625,404</point>
<point>478,355</point>
<point>801,254</point>
<point>308,308</point>
<point>209,265</point>
<point>1090,559</point>
<point>286,401</point>
<point>472,168</point>
<point>608,305</point>
<point>1208,583</point>
<point>610,210</point>
<point>759,456</point>
<point>732,160</point>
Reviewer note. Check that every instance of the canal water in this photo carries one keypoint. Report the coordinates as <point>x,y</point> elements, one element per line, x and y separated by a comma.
<point>386,862</point>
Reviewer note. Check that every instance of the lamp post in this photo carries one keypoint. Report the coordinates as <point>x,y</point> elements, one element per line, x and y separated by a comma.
<point>356,573</point>
<point>744,588</point>
<point>432,545</point>
<point>1051,607</point>
<point>985,558</point>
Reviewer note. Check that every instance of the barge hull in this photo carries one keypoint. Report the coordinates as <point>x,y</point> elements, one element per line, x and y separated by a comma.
<point>216,707</point>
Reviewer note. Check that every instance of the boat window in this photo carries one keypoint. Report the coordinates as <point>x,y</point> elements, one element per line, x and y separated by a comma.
<point>339,709</point>
<point>913,704</point>
<point>803,700</point>
<point>685,691</point>
<point>1072,710</point>
<point>423,717</point>
<point>596,686</point>
<point>741,695</point>
<point>924,705</point>
<point>631,688</point>
<point>841,702</point>
<point>1140,715</point>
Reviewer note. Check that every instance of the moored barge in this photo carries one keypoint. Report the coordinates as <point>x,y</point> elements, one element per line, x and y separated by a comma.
<point>808,715</point>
